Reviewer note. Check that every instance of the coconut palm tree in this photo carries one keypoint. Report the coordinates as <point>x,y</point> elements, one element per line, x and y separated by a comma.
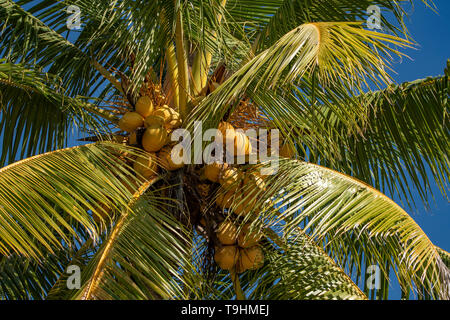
<point>140,226</point>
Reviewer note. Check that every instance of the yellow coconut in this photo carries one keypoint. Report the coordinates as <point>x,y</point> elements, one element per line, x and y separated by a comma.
<point>172,119</point>
<point>146,166</point>
<point>228,133</point>
<point>153,120</point>
<point>131,121</point>
<point>250,259</point>
<point>244,203</point>
<point>155,136</point>
<point>144,106</point>
<point>227,233</point>
<point>226,257</point>
<point>166,161</point>
<point>212,171</point>
<point>247,239</point>
<point>224,201</point>
<point>242,144</point>
<point>229,178</point>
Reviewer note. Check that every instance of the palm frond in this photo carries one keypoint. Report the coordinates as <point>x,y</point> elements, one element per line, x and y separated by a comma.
<point>338,53</point>
<point>45,198</point>
<point>26,39</point>
<point>36,115</point>
<point>300,270</point>
<point>405,135</point>
<point>272,19</point>
<point>25,279</point>
<point>142,258</point>
<point>342,212</point>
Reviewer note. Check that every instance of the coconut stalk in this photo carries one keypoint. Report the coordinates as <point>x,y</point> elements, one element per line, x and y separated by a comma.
<point>182,63</point>
<point>201,64</point>
<point>172,68</point>
<point>237,285</point>
<point>105,73</point>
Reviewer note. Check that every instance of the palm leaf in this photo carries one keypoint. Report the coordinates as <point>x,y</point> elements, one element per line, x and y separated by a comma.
<point>37,115</point>
<point>301,270</point>
<point>338,53</point>
<point>72,180</point>
<point>344,213</point>
<point>141,258</point>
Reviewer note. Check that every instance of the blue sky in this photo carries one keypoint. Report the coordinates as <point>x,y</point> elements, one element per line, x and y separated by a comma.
<point>432,32</point>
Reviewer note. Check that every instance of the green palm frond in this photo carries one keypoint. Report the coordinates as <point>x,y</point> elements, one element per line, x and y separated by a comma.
<point>405,134</point>
<point>27,39</point>
<point>342,212</point>
<point>141,258</point>
<point>23,279</point>
<point>338,53</point>
<point>45,198</point>
<point>445,256</point>
<point>274,18</point>
<point>36,115</point>
<point>301,270</point>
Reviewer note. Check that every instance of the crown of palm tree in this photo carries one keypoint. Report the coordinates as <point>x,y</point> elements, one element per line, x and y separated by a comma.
<point>310,69</point>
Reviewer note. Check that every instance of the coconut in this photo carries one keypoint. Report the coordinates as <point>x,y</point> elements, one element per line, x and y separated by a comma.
<point>248,239</point>
<point>153,120</point>
<point>229,178</point>
<point>254,180</point>
<point>227,233</point>
<point>212,171</point>
<point>172,119</point>
<point>250,259</point>
<point>242,144</point>
<point>146,166</point>
<point>155,136</point>
<point>226,257</point>
<point>228,132</point>
<point>224,201</point>
<point>165,157</point>
<point>130,121</point>
<point>144,106</point>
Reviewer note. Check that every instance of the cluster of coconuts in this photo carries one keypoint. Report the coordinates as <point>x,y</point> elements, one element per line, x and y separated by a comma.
<point>238,250</point>
<point>158,123</point>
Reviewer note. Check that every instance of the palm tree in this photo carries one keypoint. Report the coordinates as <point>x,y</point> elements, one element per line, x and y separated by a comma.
<point>311,230</point>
